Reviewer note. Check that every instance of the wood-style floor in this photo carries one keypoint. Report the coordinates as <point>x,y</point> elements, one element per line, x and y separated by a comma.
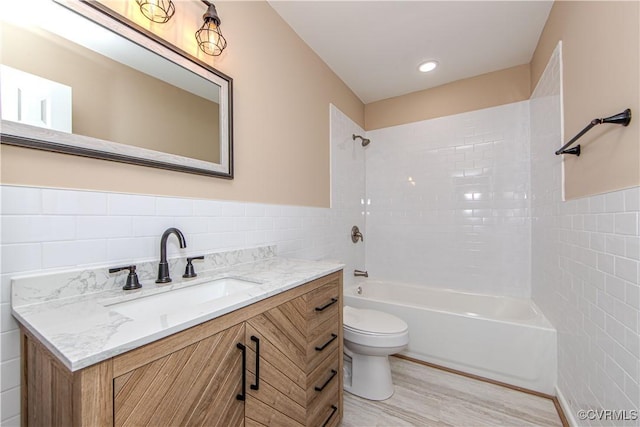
<point>427,396</point>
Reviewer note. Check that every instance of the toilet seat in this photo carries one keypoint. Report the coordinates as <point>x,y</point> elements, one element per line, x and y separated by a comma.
<point>372,322</point>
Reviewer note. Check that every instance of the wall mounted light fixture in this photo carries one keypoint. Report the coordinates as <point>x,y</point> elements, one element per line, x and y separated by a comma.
<point>209,36</point>
<point>159,11</point>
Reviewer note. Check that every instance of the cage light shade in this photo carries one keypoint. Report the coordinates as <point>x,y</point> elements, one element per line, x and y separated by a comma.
<point>209,37</point>
<point>159,11</point>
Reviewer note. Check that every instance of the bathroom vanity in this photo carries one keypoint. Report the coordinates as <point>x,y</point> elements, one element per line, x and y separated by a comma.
<point>267,355</point>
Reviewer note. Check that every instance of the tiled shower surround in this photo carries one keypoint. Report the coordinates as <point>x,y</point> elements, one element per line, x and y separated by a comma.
<point>447,202</point>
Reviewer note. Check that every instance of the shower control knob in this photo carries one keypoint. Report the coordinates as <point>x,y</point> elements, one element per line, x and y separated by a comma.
<point>356,234</point>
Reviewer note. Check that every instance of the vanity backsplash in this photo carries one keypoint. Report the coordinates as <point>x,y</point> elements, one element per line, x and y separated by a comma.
<point>35,289</point>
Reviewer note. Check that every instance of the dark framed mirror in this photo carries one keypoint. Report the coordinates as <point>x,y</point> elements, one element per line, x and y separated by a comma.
<point>86,81</point>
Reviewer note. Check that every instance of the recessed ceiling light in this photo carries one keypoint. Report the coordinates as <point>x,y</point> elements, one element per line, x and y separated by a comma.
<point>425,67</point>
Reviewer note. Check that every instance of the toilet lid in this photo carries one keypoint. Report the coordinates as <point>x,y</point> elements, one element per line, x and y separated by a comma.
<point>372,321</point>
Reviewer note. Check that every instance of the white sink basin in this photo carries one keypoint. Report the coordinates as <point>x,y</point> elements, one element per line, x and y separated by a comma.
<point>172,301</point>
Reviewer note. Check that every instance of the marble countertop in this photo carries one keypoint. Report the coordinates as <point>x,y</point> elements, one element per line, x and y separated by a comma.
<point>83,329</point>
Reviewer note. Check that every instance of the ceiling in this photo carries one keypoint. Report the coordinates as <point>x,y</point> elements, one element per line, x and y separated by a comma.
<point>375,47</point>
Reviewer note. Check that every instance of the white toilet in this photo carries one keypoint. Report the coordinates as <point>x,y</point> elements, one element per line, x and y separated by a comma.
<point>370,336</point>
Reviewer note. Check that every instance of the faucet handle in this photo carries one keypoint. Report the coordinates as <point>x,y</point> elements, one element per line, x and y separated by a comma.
<point>189,271</point>
<point>356,234</point>
<point>132,279</point>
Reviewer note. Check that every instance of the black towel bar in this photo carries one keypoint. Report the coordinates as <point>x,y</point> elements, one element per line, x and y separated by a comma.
<point>623,119</point>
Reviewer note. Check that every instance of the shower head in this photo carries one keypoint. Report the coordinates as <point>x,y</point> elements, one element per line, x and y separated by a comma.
<point>365,141</point>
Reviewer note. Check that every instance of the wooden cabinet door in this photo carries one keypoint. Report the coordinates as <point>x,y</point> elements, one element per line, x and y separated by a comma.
<point>194,386</point>
<point>278,398</point>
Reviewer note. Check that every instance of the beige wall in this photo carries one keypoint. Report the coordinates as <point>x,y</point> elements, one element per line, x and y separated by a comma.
<point>601,49</point>
<point>487,90</point>
<point>282,92</point>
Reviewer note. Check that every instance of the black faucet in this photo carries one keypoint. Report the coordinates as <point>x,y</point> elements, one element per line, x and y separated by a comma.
<point>163,268</point>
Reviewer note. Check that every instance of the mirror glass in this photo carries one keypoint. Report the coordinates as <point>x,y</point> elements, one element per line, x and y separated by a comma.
<point>70,84</point>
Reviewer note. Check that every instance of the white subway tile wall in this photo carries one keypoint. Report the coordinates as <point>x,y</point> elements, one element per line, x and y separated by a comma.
<point>50,229</point>
<point>584,272</point>
<point>449,202</point>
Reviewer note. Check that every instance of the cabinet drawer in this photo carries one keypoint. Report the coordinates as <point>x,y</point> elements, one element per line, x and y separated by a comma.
<point>325,411</point>
<point>320,380</point>
<point>333,416</point>
<point>322,304</point>
<point>323,341</point>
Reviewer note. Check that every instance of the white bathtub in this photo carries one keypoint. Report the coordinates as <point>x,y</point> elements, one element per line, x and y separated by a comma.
<point>501,338</point>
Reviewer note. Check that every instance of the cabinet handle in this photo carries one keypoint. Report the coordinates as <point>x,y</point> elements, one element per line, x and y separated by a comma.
<point>243,395</point>
<point>256,386</point>
<point>333,374</point>
<point>334,409</point>
<point>323,346</point>
<point>327,305</point>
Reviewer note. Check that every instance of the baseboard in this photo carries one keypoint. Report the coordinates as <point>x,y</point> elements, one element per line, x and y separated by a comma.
<point>558,402</point>
<point>474,376</point>
<point>564,410</point>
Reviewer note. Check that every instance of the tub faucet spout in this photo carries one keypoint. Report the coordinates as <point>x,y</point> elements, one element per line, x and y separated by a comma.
<point>163,267</point>
<point>360,273</point>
